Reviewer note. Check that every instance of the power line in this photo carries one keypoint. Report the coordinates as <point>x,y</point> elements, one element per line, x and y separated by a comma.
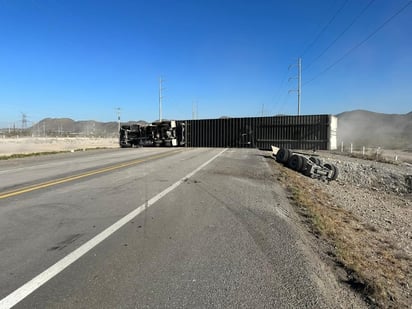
<point>361,43</point>
<point>342,33</point>
<point>23,121</point>
<point>324,28</point>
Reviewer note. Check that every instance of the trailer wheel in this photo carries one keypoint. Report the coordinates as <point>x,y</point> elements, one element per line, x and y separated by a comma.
<point>283,155</point>
<point>304,165</point>
<point>308,171</point>
<point>336,172</point>
<point>334,169</point>
<point>295,162</point>
<point>315,160</point>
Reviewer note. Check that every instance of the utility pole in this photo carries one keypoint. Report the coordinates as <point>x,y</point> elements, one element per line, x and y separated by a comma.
<point>194,109</point>
<point>299,82</point>
<point>160,98</point>
<point>118,118</point>
<point>299,78</point>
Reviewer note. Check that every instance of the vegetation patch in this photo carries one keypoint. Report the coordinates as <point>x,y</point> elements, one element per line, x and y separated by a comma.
<point>25,155</point>
<point>44,153</point>
<point>373,265</point>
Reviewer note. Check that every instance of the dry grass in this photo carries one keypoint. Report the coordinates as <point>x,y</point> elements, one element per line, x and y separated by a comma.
<point>43,153</point>
<point>24,155</point>
<point>373,264</point>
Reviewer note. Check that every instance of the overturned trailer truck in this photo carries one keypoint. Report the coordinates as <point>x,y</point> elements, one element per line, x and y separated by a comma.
<point>309,132</point>
<point>161,133</point>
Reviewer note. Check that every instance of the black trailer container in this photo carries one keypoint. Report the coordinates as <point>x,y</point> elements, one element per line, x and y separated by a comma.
<point>291,132</point>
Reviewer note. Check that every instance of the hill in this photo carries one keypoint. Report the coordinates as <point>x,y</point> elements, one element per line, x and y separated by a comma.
<point>69,127</point>
<point>365,128</point>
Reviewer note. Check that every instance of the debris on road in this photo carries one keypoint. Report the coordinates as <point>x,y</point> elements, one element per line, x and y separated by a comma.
<point>310,166</point>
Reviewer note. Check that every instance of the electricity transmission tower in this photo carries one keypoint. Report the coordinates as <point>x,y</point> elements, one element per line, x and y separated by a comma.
<point>23,121</point>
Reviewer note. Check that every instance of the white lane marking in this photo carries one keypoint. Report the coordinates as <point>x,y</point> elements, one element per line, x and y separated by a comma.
<point>32,285</point>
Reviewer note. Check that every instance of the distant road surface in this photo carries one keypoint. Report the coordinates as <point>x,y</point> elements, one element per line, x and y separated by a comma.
<point>151,228</point>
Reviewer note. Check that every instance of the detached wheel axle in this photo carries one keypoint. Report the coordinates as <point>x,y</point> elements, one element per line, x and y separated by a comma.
<point>308,166</point>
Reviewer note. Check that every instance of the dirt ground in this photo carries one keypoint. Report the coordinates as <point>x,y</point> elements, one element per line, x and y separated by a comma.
<point>9,146</point>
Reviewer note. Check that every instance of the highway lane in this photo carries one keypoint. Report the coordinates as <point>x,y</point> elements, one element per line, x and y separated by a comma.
<point>219,239</point>
<point>35,222</point>
<point>35,169</point>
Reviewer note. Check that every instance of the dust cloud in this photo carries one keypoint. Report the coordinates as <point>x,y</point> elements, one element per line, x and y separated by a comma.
<point>363,128</point>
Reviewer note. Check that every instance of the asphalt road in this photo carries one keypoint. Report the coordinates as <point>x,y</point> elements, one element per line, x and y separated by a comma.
<point>219,238</point>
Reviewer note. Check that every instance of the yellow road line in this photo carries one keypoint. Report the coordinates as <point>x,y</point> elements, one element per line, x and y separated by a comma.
<point>80,176</point>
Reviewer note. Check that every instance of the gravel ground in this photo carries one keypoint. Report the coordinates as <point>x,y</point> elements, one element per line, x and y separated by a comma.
<point>367,214</point>
<point>379,194</point>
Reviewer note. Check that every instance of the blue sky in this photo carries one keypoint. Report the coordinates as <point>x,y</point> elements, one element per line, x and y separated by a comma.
<point>83,59</point>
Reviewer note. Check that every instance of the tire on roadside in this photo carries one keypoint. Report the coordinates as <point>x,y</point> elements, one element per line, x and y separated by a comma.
<point>336,172</point>
<point>315,160</point>
<point>295,162</point>
<point>308,170</point>
<point>304,165</point>
<point>283,155</point>
<point>334,169</point>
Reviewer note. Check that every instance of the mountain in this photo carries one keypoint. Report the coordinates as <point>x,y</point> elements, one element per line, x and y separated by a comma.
<point>365,128</point>
<point>69,127</point>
